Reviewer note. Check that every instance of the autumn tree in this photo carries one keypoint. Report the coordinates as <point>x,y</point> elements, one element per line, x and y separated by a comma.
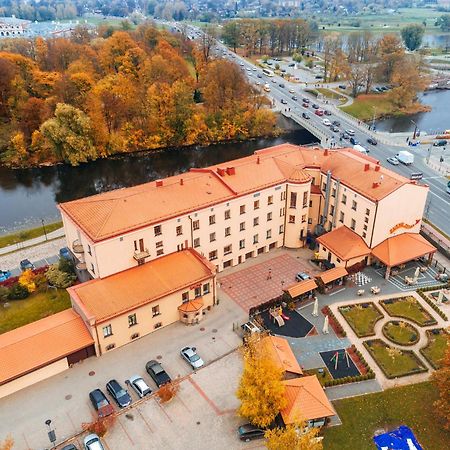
<point>356,76</point>
<point>441,379</point>
<point>293,437</point>
<point>412,36</point>
<point>261,391</point>
<point>390,52</point>
<point>7,444</point>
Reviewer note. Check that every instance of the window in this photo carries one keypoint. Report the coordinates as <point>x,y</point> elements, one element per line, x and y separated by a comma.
<point>291,219</point>
<point>338,260</point>
<point>255,239</point>
<point>324,186</point>
<point>310,221</point>
<point>333,193</point>
<point>206,288</point>
<point>241,244</point>
<point>367,212</point>
<point>305,199</point>
<point>157,325</point>
<point>212,219</point>
<point>341,217</point>
<point>304,218</point>
<point>281,229</point>
<point>242,209</point>
<point>268,234</point>
<point>227,250</point>
<point>269,217</point>
<point>213,255</point>
<point>242,226</point>
<point>89,250</point>
<point>283,196</point>
<point>293,201</point>
<point>212,237</point>
<point>155,311</point>
<point>157,230</point>
<point>92,268</point>
<point>160,252</point>
<point>195,224</point>
<point>310,203</point>
<point>353,225</point>
<point>139,245</point>
<point>354,205</point>
<point>364,234</point>
<point>198,291</point>
<point>344,199</point>
<point>270,199</point>
<point>366,219</point>
<point>227,214</point>
<point>179,230</point>
<point>227,231</point>
<point>107,331</point>
<point>196,242</point>
<point>365,227</point>
<point>132,320</point>
<point>185,297</point>
<point>159,244</point>
<point>256,204</point>
<point>110,346</point>
<point>256,221</point>
<point>281,212</point>
<point>332,210</point>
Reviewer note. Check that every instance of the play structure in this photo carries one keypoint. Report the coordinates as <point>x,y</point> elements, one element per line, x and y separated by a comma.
<point>285,322</point>
<point>335,357</point>
<point>278,316</point>
<point>339,363</point>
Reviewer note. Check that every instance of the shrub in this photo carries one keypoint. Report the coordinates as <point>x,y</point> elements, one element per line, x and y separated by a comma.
<point>58,278</point>
<point>18,292</point>
<point>3,293</point>
<point>66,265</point>
<point>27,280</point>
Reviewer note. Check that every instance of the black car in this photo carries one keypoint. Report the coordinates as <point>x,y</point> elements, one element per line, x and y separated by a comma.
<point>70,447</point>
<point>336,123</point>
<point>26,264</point>
<point>305,100</point>
<point>342,86</point>
<point>294,98</point>
<point>158,374</point>
<point>248,432</point>
<point>291,65</point>
<point>118,393</point>
<point>334,129</point>
<point>305,116</point>
<point>372,141</point>
<point>440,143</point>
<point>259,75</point>
<point>283,101</point>
<point>315,106</point>
<point>281,85</point>
<point>353,141</point>
<point>318,77</point>
<point>345,136</point>
<point>100,403</point>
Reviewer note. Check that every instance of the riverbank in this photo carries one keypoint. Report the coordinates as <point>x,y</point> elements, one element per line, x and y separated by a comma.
<point>31,233</point>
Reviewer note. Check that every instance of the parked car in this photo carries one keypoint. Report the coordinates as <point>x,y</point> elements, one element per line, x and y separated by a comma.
<point>305,100</point>
<point>4,275</point>
<point>191,356</point>
<point>259,75</point>
<point>334,129</point>
<point>372,141</point>
<point>139,386</point>
<point>65,253</point>
<point>291,91</point>
<point>249,432</point>
<point>291,65</point>
<point>315,106</point>
<point>305,105</point>
<point>70,447</point>
<point>393,160</point>
<point>158,374</point>
<point>336,123</point>
<point>345,136</point>
<point>101,404</point>
<point>305,116</point>
<point>118,393</point>
<point>318,77</point>
<point>92,442</point>
<point>327,113</point>
<point>342,86</point>
<point>283,101</point>
<point>353,141</point>
<point>318,112</point>
<point>440,143</point>
<point>26,264</point>
<point>281,85</point>
<point>301,276</point>
<point>326,122</point>
<point>350,132</point>
<point>294,97</point>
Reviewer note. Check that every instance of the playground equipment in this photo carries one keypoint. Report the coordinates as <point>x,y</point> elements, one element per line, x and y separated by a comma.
<point>336,359</point>
<point>278,316</point>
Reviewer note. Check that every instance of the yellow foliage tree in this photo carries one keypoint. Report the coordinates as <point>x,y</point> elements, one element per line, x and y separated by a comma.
<point>261,390</point>
<point>7,444</point>
<point>293,437</point>
<point>27,280</point>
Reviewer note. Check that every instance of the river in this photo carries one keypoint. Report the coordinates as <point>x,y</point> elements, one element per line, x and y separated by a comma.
<point>27,196</point>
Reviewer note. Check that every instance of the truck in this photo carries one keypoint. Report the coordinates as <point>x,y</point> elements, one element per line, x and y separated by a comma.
<point>405,157</point>
<point>361,149</point>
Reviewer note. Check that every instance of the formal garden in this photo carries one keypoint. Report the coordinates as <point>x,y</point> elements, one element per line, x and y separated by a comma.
<point>400,332</point>
<point>362,317</point>
<point>408,308</point>
<point>436,345</point>
<point>394,362</point>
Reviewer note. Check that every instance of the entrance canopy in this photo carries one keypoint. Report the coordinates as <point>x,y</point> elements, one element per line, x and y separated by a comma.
<point>402,248</point>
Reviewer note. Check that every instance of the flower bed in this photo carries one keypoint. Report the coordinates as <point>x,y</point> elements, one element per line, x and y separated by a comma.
<point>361,317</point>
<point>408,308</point>
<point>392,361</point>
<point>432,303</point>
<point>400,332</point>
<point>434,351</point>
<point>333,322</point>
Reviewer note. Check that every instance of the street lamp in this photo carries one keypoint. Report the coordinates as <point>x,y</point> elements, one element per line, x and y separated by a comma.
<point>43,227</point>
<point>429,154</point>
<point>51,433</point>
<point>373,118</point>
<point>415,129</point>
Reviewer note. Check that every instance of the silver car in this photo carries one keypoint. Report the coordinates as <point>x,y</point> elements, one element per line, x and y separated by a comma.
<point>139,386</point>
<point>191,356</point>
<point>92,442</point>
<point>393,160</point>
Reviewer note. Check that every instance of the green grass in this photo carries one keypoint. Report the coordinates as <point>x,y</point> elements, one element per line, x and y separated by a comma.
<point>408,308</point>
<point>330,94</point>
<point>401,333</point>
<point>38,305</point>
<point>364,107</point>
<point>397,364</point>
<point>24,235</point>
<point>362,320</point>
<point>409,405</point>
<point>322,377</point>
<point>435,349</point>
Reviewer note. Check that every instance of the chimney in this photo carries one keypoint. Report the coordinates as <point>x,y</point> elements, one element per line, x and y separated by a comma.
<point>231,170</point>
<point>366,167</point>
<point>377,168</point>
<point>257,160</point>
<point>325,153</point>
<point>375,185</point>
<point>159,183</point>
<point>181,181</point>
<point>220,171</point>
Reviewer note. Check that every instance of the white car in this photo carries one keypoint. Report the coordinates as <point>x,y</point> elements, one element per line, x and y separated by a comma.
<point>139,386</point>
<point>393,160</point>
<point>92,442</point>
<point>191,356</point>
<point>254,69</point>
<point>350,132</point>
<point>241,64</point>
<point>326,122</point>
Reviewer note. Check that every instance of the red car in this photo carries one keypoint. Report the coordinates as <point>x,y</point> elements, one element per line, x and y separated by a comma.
<point>318,112</point>
<point>305,105</point>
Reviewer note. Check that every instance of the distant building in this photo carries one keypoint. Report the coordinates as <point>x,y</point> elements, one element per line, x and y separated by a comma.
<point>12,27</point>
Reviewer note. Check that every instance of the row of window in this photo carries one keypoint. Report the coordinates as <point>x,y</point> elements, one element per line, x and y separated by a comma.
<point>197,292</point>
<point>293,200</point>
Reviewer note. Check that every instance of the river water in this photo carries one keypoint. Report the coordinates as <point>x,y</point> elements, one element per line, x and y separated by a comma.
<point>27,196</point>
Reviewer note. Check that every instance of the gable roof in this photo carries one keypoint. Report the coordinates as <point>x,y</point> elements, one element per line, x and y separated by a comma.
<point>301,288</point>
<point>332,274</point>
<point>280,352</point>
<point>40,343</point>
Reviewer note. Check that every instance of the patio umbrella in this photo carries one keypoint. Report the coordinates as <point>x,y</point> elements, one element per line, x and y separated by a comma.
<point>315,312</point>
<point>440,297</point>
<point>325,325</point>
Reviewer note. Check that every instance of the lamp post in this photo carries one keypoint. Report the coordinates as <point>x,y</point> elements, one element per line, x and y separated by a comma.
<point>373,118</point>
<point>429,154</point>
<point>415,129</point>
<point>51,433</point>
<point>43,227</point>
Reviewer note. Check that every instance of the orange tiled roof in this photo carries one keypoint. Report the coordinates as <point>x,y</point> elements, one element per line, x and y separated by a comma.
<point>191,306</point>
<point>116,212</point>
<point>124,291</point>
<point>332,274</point>
<point>402,248</point>
<point>306,400</point>
<point>280,352</point>
<point>301,288</point>
<point>344,243</point>
<point>40,343</point>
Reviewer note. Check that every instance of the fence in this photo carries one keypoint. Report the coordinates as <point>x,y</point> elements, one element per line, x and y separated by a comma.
<point>436,239</point>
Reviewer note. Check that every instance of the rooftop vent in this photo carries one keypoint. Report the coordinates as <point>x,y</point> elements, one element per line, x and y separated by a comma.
<point>159,183</point>
<point>366,167</point>
<point>220,171</point>
<point>377,168</point>
<point>231,171</point>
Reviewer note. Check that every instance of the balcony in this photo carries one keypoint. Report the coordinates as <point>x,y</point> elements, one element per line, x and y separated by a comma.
<point>140,255</point>
<point>77,246</point>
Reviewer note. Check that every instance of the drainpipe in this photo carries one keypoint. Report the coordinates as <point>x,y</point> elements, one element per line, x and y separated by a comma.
<point>192,230</point>
<point>285,215</point>
<point>373,224</point>
<point>336,204</point>
<point>327,200</point>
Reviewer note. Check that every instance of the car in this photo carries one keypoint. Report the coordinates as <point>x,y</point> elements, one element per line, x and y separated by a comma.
<point>70,447</point>
<point>158,374</point>
<point>393,160</point>
<point>334,128</point>
<point>139,386</point>
<point>345,136</point>
<point>327,113</point>
<point>64,253</point>
<point>92,442</point>
<point>305,100</point>
<point>372,141</point>
<point>281,85</point>
<point>273,80</point>
<point>336,123</point>
<point>283,101</point>
<point>342,86</point>
<point>294,97</point>
<point>305,116</point>
<point>100,403</point>
<point>301,276</point>
<point>259,75</point>
<point>305,105</point>
<point>258,83</point>
<point>350,132</point>
<point>326,122</point>
<point>318,112</point>
<point>118,393</point>
<point>254,69</point>
<point>241,64</point>
<point>291,91</point>
<point>291,65</point>
<point>191,356</point>
<point>315,106</point>
<point>4,275</point>
<point>249,432</point>
<point>26,264</point>
<point>440,143</point>
<point>318,77</point>
<point>353,141</point>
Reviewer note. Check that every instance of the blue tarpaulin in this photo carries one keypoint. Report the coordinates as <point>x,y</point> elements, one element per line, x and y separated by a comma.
<point>401,438</point>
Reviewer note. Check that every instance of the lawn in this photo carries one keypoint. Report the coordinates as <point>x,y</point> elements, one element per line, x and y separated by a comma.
<point>38,305</point>
<point>24,235</point>
<point>435,349</point>
<point>393,361</point>
<point>408,308</point>
<point>331,94</point>
<point>364,107</point>
<point>361,319</point>
<point>409,405</point>
<point>400,332</point>
<point>322,377</point>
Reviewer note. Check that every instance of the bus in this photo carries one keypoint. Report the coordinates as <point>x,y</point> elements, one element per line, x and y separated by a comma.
<point>268,72</point>
<point>448,187</point>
